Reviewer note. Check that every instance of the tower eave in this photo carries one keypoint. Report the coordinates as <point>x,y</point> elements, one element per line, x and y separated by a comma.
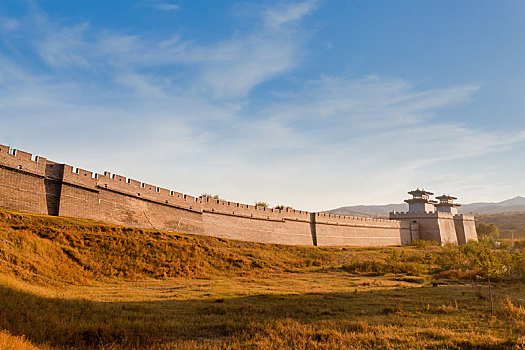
<point>418,191</point>
<point>448,205</point>
<point>420,200</point>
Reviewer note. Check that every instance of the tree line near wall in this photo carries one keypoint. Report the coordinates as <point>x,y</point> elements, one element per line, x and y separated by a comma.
<point>506,225</point>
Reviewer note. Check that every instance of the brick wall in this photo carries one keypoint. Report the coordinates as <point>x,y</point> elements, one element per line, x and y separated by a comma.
<point>343,230</point>
<point>36,185</point>
<point>255,229</point>
<point>465,228</point>
<point>22,182</point>
<point>447,229</point>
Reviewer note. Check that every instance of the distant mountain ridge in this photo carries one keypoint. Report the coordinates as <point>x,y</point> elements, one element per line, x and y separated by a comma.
<point>514,204</point>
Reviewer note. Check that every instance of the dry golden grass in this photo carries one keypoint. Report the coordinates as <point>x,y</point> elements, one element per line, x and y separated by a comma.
<point>67,283</point>
<point>51,250</point>
<point>223,314</point>
<point>10,342</point>
<point>512,311</point>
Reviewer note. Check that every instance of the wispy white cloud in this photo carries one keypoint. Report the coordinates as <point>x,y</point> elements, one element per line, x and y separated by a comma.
<point>63,46</point>
<point>227,68</point>
<point>178,113</point>
<point>370,138</point>
<point>287,13</point>
<point>370,102</point>
<point>8,24</point>
<point>167,7</point>
<point>236,66</point>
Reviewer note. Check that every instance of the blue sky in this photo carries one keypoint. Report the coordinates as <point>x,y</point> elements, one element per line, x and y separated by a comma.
<point>313,104</point>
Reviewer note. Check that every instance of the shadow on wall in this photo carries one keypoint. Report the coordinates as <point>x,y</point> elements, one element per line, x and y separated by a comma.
<point>53,187</point>
<point>313,229</point>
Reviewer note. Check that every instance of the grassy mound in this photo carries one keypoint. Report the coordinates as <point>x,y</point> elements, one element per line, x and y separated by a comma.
<point>51,249</point>
<point>54,250</point>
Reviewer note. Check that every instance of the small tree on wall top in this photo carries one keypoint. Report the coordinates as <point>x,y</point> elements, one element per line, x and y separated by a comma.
<point>209,196</point>
<point>282,207</point>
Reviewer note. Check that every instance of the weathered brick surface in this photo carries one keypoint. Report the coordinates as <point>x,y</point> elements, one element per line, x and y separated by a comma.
<point>343,230</point>
<point>22,191</point>
<point>111,206</point>
<point>329,235</point>
<point>448,230</point>
<point>257,229</point>
<point>40,186</point>
<point>465,228</point>
<point>22,182</point>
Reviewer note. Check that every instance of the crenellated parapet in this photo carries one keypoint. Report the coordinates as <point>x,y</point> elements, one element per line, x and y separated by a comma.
<point>220,206</point>
<point>335,219</point>
<point>22,161</point>
<point>133,188</point>
<point>95,182</point>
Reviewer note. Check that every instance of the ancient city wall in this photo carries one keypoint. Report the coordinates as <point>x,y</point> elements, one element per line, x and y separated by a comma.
<point>22,181</point>
<point>259,224</point>
<point>115,199</point>
<point>344,230</point>
<point>253,229</point>
<point>37,185</point>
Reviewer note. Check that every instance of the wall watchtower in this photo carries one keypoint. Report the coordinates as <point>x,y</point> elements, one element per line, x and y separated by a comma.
<point>446,204</point>
<point>420,202</point>
<point>432,221</point>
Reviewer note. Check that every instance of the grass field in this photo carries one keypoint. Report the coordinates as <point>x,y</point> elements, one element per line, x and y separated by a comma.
<point>68,283</point>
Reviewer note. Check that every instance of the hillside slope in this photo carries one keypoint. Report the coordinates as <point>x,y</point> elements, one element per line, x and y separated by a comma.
<point>508,223</point>
<point>51,249</point>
